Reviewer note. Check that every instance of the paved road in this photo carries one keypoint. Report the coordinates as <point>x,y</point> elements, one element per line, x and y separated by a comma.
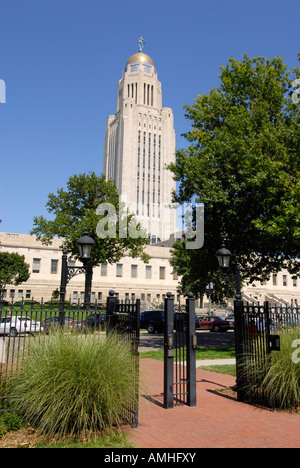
<point>204,340</point>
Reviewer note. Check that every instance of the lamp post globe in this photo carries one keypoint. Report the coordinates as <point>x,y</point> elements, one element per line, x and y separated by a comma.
<point>85,245</point>
<point>223,255</point>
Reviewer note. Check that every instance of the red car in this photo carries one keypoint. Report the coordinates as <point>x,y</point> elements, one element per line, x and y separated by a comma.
<point>213,324</point>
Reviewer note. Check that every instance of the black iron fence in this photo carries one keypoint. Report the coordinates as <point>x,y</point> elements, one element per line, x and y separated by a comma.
<point>257,334</point>
<point>24,319</point>
<point>124,319</point>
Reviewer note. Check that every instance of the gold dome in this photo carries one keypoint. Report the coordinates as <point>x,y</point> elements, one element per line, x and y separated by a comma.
<point>140,57</point>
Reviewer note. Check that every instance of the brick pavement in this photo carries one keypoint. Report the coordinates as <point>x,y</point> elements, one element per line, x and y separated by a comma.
<point>217,421</point>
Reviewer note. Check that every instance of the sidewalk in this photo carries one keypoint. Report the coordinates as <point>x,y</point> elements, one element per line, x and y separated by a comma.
<point>214,362</point>
<point>217,421</point>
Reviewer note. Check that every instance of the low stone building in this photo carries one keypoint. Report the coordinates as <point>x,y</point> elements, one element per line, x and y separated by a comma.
<point>130,278</point>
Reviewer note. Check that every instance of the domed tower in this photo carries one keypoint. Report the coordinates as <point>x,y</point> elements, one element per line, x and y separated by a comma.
<point>139,144</point>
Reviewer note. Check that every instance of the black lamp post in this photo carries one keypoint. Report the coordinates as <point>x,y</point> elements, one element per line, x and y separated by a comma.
<point>85,245</point>
<point>209,288</point>
<point>223,255</point>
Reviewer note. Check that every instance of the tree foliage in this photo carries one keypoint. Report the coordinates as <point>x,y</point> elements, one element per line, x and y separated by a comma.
<point>75,210</point>
<point>242,162</point>
<point>13,270</point>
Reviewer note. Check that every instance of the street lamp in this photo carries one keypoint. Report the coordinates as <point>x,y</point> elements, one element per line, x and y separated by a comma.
<point>85,245</point>
<point>223,255</point>
<point>209,288</point>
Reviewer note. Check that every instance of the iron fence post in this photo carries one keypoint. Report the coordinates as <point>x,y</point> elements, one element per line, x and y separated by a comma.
<point>63,286</point>
<point>240,348</point>
<point>191,350</point>
<point>267,325</point>
<point>168,351</point>
<point>137,331</point>
<point>136,344</point>
<point>111,308</point>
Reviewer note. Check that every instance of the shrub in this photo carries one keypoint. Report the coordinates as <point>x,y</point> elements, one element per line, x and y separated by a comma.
<point>278,378</point>
<point>70,384</point>
<point>9,421</point>
<point>282,380</point>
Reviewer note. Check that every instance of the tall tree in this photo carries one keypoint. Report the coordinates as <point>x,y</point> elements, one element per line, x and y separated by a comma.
<point>13,270</point>
<point>91,203</point>
<point>243,164</point>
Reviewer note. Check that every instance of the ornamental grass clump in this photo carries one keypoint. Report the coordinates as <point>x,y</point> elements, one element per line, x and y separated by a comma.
<point>282,379</point>
<point>278,376</point>
<point>69,384</point>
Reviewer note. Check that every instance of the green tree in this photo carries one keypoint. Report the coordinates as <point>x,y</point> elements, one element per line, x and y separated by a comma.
<point>13,270</point>
<point>242,162</point>
<point>77,209</point>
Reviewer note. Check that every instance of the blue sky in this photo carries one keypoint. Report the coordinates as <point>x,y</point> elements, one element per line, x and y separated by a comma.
<point>61,61</point>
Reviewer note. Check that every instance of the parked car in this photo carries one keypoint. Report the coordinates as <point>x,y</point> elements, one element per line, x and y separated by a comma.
<point>214,324</point>
<point>52,323</point>
<point>230,319</point>
<point>95,321</point>
<point>14,325</point>
<point>152,320</point>
<point>180,321</point>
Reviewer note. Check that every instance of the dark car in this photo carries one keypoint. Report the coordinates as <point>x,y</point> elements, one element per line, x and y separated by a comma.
<point>180,320</point>
<point>95,321</point>
<point>52,323</point>
<point>214,324</point>
<point>152,320</point>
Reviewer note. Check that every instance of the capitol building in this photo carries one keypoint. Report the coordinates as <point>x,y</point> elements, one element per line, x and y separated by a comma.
<point>139,144</point>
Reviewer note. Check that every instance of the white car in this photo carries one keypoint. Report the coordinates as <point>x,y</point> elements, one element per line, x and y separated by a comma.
<point>14,325</point>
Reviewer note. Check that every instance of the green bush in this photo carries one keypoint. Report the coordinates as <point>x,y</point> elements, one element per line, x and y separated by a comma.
<point>70,384</point>
<point>282,380</point>
<point>279,376</point>
<point>9,421</point>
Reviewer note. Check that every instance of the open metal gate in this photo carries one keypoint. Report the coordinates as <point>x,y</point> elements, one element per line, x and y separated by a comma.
<point>255,338</point>
<point>124,319</point>
<point>180,343</point>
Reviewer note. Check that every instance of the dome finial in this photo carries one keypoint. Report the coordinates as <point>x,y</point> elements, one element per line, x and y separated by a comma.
<point>141,43</point>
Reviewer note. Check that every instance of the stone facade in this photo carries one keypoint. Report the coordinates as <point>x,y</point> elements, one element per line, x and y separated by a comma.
<point>130,278</point>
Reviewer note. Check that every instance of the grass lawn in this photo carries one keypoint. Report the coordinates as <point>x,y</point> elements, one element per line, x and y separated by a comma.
<point>210,353</point>
<point>229,369</point>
